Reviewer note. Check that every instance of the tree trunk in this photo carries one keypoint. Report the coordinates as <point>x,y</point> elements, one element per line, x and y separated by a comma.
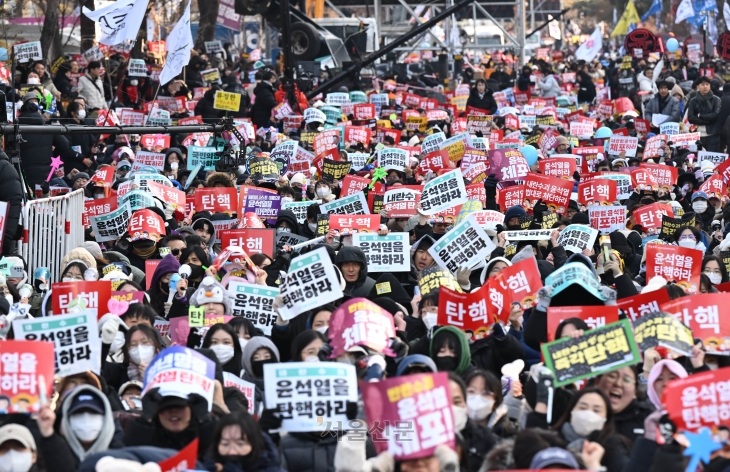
<point>88,28</point>
<point>206,26</point>
<point>50,28</point>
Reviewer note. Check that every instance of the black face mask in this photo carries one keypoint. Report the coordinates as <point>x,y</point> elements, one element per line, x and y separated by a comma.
<point>513,227</point>
<point>446,363</point>
<point>310,194</point>
<point>164,287</point>
<point>257,367</point>
<point>196,271</point>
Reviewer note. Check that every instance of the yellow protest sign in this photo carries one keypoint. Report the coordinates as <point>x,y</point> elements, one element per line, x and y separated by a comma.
<point>227,101</point>
<point>416,123</point>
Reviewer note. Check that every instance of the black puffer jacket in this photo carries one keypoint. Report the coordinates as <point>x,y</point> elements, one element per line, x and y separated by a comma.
<point>264,102</point>
<point>586,90</point>
<point>478,440</point>
<point>309,452</point>
<point>11,192</point>
<point>364,284</point>
<point>205,108</point>
<point>705,110</point>
<point>485,101</point>
<point>630,421</point>
<point>36,151</point>
<point>290,218</point>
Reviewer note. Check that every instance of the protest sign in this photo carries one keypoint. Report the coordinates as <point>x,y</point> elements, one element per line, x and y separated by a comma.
<point>26,369</point>
<point>623,183</point>
<point>663,329</point>
<point>179,328</point>
<point>392,158</point>
<point>204,156</point>
<point>643,179</point>
<point>664,176</point>
<point>434,277</point>
<point>597,352</point>
<point>619,144</point>
<point>227,101</point>
<point>264,204</point>
<point>251,240</point>
<point>511,196</point>
<point>685,140</point>
<point>443,192</point>
<point>675,263</point>
<point>671,225</point>
<point>463,246</point>
<point>715,187</point>
<point>654,147</point>
<point>310,397</point>
<point>607,219</point>
<point>75,338</point>
<point>93,208</point>
<point>701,314</point>
<point>650,216</point>
<point>517,283</point>
<point>508,164</point>
<point>355,204</point>
<point>714,157</point>
<point>179,371</point>
<point>111,226</point>
<point>255,303</point>
<point>137,199</point>
<point>210,75</point>
<point>596,192</point>
<point>401,202</point>
<point>146,158</point>
<point>576,238</point>
<point>311,282</point>
<point>216,200</point>
<point>700,400</point>
<point>360,322</point>
<point>345,225</point>
<point>262,168</point>
<point>558,167</point>
<point>642,304</point>
<point>298,208</point>
<point>413,412</point>
<point>390,253</point>
<point>81,297</point>
<point>247,388</point>
<point>553,191</point>
<point>488,219</point>
<point>594,316</point>
<point>137,68</point>
<point>470,312</point>
<point>334,170</point>
<point>432,142</point>
<point>528,235</point>
<point>146,224</point>
<point>30,51</point>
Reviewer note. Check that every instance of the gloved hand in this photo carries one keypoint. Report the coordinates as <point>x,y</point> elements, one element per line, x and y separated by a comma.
<point>150,402</point>
<point>269,420</point>
<point>169,210</point>
<point>490,186</point>
<point>544,382</point>
<point>462,276</point>
<point>543,298</point>
<point>447,457</point>
<point>612,266</point>
<point>198,405</point>
<point>351,410</point>
<point>109,330</point>
<point>538,210</point>
<point>399,347</point>
<point>45,187</point>
<point>576,176</point>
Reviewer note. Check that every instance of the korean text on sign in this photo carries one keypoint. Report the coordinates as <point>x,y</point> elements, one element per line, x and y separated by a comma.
<point>309,284</point>
<point>255,303</point>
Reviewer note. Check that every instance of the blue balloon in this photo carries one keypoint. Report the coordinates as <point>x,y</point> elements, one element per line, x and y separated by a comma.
<point>530,154</point>
<point>672,44</point>
<point>3,54</point>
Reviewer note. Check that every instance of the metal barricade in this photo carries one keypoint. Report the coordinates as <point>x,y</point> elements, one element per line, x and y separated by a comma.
<point>52,227</point>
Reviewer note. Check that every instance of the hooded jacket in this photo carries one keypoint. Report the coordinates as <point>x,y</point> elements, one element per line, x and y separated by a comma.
<point>264,102</point>
<point>78,255</point>
<point>253,345</point>
<point>137,275</point>
<point>106,435</point>
<point>464,352</point>
<point>704,110</point>
<point>426,240</point>
<point>289,217</point>
<point>674,366</point>
<point>364,284</point>
<point>549,86</point>
<point>168,265</point>
<point>37,152</point>
<point>647,85</point>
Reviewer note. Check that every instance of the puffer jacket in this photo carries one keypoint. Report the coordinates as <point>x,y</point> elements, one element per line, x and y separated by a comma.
<point>704,110</point>
<point>647,85</point>
<point>668,106</point>
<point>78,255</point>
<point>93,91</point>
<point>549,87</point>
<point>364,284</point>
<point>309,452</point>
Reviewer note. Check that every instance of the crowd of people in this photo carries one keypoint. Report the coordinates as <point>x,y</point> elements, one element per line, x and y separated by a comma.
<point>614,420</point>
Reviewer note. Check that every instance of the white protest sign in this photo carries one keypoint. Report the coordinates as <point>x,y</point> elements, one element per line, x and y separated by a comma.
<point>389,253</point>
<point>391,158</point>
<point>137,68</point>
<point>311,282</point>
<point>247,388</point>
<point>159,117</point>
<point>254,303</point>
<point>147,158</point>
<point>75,337</point>
<point>607,219</point>
<point>619,144</point>
<point>132,118</point>
<point>212,47</point>
<point>355,204</point>
<point>179,371</point>
<point>432,142</point>
<point>670,129</point>
<point>111,226</point>
<point>314,115</point>
<point>28,51</point>
<point>445,191</point>
<point>465,245</point>
<point>488,219</point>
<point>528,235</point>
<point>310,396</point>
<point>299,209</point>
<point>337,98</point>
<point>576,238</point>
<point>358,159</point>
<point>581,130</point>
<point>714,157</point>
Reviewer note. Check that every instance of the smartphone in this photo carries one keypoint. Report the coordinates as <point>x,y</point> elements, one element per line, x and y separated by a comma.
<point>606,248</point>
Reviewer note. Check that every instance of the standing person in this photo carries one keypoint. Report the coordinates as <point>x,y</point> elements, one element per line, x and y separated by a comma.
<point>548,86</point>
<point>11,191</point>
<point>647,85</point>
<point>481,97</point>
<point>265,100</point>
<point>664,104</point>
<point>703,111</point>
<point>586,90</point>
<point>92,87</point>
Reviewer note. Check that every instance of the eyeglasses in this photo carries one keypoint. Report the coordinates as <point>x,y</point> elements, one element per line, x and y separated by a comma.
<point>710,271</point>
<point>687,236</point>
<point>626,379</point>
<point>175,251</point>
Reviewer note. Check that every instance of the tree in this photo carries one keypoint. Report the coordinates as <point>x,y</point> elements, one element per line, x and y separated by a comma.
<point>208,19</point>
<point>50,28</point>
<point>88,28</point>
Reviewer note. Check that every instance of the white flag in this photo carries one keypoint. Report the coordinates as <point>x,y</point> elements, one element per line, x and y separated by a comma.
<point>120,21</point>
<point>590,49</point>
<point>726,12</point>
<point>684,11</point>
<point>179,44</point>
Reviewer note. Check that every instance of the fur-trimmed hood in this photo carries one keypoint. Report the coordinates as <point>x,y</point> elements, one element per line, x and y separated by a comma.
<point>220,178</point>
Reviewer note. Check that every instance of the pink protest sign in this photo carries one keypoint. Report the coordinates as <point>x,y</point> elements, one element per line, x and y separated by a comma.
<point>508,164</point>
<point>360,322</point>
<point>413,412</point>
<point>180,327</point>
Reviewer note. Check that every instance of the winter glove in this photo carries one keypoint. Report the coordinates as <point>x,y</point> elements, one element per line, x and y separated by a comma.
<point>490,186</point>
<point>194,338</point>
<point>269,420</point>
<point>538,211</point>
<point>198,406</point>
<point>167,308</point>
<point>447,457</point>
<point>109,330</point>
<point>544,383</point>
<point>462,276</point>
<point>351,410</point>
<point>150,403</point>
<point>399,347</point>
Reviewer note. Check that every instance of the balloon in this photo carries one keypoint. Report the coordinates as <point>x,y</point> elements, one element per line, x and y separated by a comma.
<point>3,54</point>
<point>603,132</point>
<point>672,45</point>
<point>530,154</point>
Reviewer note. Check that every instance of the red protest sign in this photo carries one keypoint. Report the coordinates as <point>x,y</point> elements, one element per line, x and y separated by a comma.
<point>562,167</point>
<point>714,187</point>
<point>251,240</point>
<point>597,191</point>
<point>420,401</point>
<point>642,126</point>
<point>434,161</point>
<point>665,176</point>
<point>184,460</point>
<point>360,322</point>
<point>643,179</point>
<point>216,200</point>
<point>381,133</point>
<point>594,316</point>
<point>357,134</point>
<point>149,270</point>
<point>26,369</point>
<point>472,111</point>
<point>643,303</point>
<point>554,192</point>
<point>470,312</point>
<point>146,224</point>
<point>511,196</point>
<point>701,314</point>
<point>518,284</point>
<point>364,111</point>
<point>168,194</point>
<point>352,184</point>
<point>250,220</point>
<point>154,142</point>
<point>100,206</point>
<point>655,146</point>
<point>675,263</point>
<point>650,216</point>
<point>348,224</point>
<point>105,176</point>
<point>472,157</point>
<point>477,192</point>
<point>699,400</point>
<point>511,122</point>
<point>95,294</point>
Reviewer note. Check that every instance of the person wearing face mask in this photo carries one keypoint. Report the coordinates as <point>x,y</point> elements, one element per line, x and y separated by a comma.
<point>287,222</point>
<point>323,192</point>
<point>87,423</point>
<point>223,341</point>
<point>240,445</point>
<point>449,349</point>
<point>309,228</point>
<point>473,439</point>
<point>18,452</point>
<point>83,143</point>
<point>197,259</point>
<point>142,343</point>
<point>485,404</point>
<point>689,237</point>
<point>258,351</point>
<point>160,285</point>
<point>287,194</point>
<point>297,183</point>
<point>715,270</point>
<point>306,346</point>
<point>702,208</point>
<point>512,217</point>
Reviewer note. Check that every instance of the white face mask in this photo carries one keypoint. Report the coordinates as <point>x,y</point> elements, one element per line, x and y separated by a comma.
<point>714,278</point>
<point>584,422</point>
<point>86,426</point>
<point>322,329</point>
<point>429,319</point>
<point>142,354</point>
<point>479,407</point>
<point>134,82</point>
<point>82,113</point>
<point>33,80</point>
<point>242,342</point>
<point>460,417</point>
<point>223,353</point>
<point>286,199</point>
<point>312,227</point>
<point>70,279</point>
<point>323,192</point>
<point>117,343</point>
<point>699,206</point>
<point>311,359</point>
<point>16,461</point>
<point>690,243</point>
